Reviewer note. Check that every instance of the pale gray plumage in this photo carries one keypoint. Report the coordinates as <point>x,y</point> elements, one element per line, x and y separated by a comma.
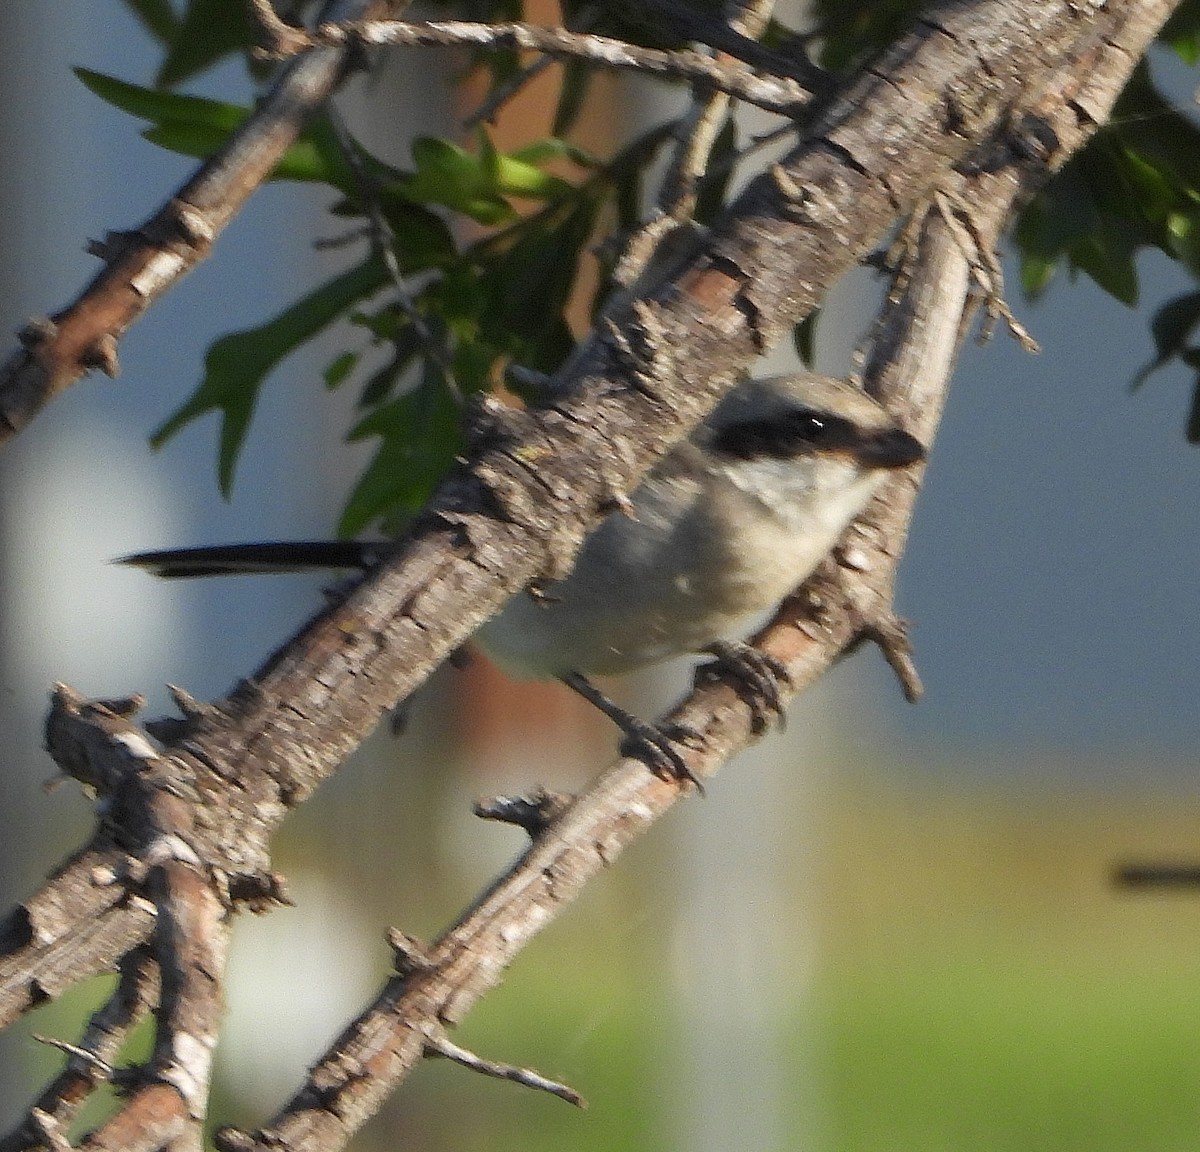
<point>711,541</point>
<point>717,534</point>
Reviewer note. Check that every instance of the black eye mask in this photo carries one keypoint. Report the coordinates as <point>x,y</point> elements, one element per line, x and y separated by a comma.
<point>793,433</point>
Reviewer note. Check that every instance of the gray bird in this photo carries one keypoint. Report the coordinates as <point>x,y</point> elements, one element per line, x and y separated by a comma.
<point>716,535</point>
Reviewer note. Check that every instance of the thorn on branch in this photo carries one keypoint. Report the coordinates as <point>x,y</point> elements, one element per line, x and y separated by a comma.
<point>230,1139</point>
<point>101,1067</point>
<point>437,1043</point>
<point>890,634</point>
<point>409,955</point>
<point>260,892</point>
<point>114,244</point>
<point>277,38</point>
<point>641,363</point>
<point>533,813</point>
<point>93,741</point>
<point>487,422</point>
<point>802,204</point>
<point>36,331</point>
<point>187,704</point>
<point>170,729</point>
<point>123,706</point>
<point>49,1129</point>
<point>103,355</point>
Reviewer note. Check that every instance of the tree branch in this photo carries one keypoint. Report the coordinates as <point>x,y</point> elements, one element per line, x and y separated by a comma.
<point>911,359</point>
<point>195,820</point>
<point>141,264</point>
<point>775,93</point>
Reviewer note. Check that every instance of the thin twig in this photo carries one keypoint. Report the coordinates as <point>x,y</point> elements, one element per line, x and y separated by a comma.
<point>697,132</point>
<point>439,1044</point>
<point>383,240</point>
<point>486,111</point>
<point>784,95</point>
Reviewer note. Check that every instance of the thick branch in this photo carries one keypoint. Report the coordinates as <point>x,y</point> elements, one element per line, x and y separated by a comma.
<point>523,504</point>
<point>910,365</point>
<point>522,508</point>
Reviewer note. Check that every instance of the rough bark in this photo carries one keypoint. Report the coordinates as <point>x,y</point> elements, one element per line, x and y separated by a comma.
<point>973,108</point>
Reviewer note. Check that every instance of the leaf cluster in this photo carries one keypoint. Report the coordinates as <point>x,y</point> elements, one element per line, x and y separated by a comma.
<point>1136,186</point>
<point>474,257</point>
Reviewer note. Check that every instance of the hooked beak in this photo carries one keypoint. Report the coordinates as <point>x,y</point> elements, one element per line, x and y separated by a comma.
<point>893,448</point>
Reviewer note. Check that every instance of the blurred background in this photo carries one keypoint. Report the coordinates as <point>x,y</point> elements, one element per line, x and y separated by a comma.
<point>890,927</point>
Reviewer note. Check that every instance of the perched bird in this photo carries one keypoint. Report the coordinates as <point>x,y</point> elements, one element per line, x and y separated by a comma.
<point>716,535</point>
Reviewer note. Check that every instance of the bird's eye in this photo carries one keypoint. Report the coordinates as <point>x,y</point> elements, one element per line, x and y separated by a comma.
<point>817,428</point>
<point>793,433</point>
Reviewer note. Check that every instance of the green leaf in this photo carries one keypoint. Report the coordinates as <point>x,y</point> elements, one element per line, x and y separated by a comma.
<point>576,80</point>
<point>157,17</point>
<point>407,344</point>
<point>419,439</point>
<point>1036,274</point>
<point>715,183</point>
<point>1193,421</point>
<point>194,126</point>
<point>528,288</point>
<point>303,161</point>
<point>151,104</point>
<point>448,175</point>
<point>1171,327</point>
<point>209,30</point>
<point>1182,31</point>
<point>478,185</point>
<point>237,364</point>
<point>1183,231</point>
<point>339,368</point>
<point>804,337</point>
<point>1108,259</point>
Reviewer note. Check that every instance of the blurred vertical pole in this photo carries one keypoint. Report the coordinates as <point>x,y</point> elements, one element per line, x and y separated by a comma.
<point>746,939</point>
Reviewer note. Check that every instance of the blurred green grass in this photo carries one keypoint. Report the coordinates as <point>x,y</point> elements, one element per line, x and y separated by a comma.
<point>996,1052</point>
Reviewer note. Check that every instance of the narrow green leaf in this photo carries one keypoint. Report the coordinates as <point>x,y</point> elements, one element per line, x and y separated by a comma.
<point>1182,31</point>
<point>194,126</point>
<point>577,78</point>
<point>419,439</point>
<point>1193,420</point>
<point>339,368</point>
<point>715,184</point>
<point>151,104</point>
<point>804,337</point>
<point>237,364</point>
<point>303,161</point>
<point>209,30</point>
<point>1036,274</point>
<point>157,17</point>
<point>1171,328</point>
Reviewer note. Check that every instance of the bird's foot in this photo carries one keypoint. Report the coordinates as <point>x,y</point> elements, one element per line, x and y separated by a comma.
<point>658,747</point>
<point>758,678</point>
